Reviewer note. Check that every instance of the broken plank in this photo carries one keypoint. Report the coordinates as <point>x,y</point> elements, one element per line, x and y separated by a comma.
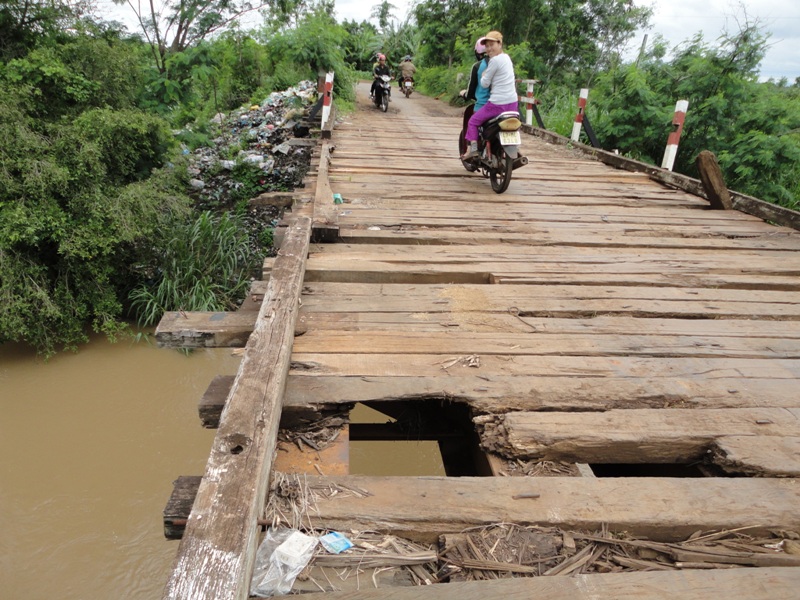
<point>499,393</point>
<point>758,456</point>
<point>630,436</point>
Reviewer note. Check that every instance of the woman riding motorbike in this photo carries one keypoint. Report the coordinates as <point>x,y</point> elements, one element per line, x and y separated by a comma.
<point>499,78</point>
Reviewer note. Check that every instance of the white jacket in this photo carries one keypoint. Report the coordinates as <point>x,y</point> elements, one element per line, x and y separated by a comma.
<point>499,76</point>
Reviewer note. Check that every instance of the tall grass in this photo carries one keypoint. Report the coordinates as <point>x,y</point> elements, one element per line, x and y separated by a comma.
<point>206,266</point>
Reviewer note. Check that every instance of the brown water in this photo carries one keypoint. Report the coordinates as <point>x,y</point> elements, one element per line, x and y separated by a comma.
<point>89,446</point>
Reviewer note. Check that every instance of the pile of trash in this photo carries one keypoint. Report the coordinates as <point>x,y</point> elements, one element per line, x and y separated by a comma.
<point>250,153</point>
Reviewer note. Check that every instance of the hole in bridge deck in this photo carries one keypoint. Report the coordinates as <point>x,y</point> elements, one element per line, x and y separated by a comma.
<point>414,438</point>
<point>653,470</point>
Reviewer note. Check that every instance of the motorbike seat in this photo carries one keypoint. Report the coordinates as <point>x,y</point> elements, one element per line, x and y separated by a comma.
<point>509,114</point>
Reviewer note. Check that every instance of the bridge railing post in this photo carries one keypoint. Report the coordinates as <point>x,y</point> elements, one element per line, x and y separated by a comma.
<point>327,98</point>
<point>576,126</point>
<point>671,150</point>
<point>530,102</point>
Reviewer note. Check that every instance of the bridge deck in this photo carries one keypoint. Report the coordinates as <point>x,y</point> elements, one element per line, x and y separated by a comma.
<point>587,316</point>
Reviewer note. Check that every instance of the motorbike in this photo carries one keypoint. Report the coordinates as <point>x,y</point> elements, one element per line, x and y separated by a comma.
<point>382,91</point>
<point>407,86</point>
<point>498,142</point>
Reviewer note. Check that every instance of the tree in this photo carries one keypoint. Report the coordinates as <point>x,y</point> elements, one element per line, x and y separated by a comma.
<point>569,37</point>
<point>383,12</point>
<point>184,23</point>
<point>441,24</point>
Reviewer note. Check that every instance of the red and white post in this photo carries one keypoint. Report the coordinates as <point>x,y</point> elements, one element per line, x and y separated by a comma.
<point>326,100</point>
<point>672,142</point>
<point>529,100</point>
<point>576,126</point>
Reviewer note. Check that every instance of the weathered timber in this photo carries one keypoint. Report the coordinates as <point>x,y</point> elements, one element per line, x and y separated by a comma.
<point>731,584</point>
<point>325,226</point>
<point>713,182</point>
<point>456,343</point>
<point>497,394</point>
<point>205,329</point>
<point>637,435</point>
<point>221,532</point>
<point>661,509</point>
<point>586,237</point>
<point>757,456</point>
<point>747,204</point>
<point>179,505</point>
<point>312,397</point>
<point>275,199</point>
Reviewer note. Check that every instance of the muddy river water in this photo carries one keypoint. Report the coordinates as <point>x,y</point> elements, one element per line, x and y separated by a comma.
<point>90,444</point>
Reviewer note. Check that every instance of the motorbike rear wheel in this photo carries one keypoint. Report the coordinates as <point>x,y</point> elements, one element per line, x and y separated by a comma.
<point>501,176</point>
<point>407,91</point>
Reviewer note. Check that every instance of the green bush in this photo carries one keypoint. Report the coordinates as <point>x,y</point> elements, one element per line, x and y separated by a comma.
<point>206,265</point>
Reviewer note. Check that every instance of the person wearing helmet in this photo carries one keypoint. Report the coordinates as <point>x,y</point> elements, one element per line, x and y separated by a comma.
<point>407,70</point>
<point>475,91</point>
<point>499,79</point>
<point>378,69</point>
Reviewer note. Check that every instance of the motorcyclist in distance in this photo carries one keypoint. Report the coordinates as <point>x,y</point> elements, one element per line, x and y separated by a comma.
<point>380,68</point>
<point>407,70</point>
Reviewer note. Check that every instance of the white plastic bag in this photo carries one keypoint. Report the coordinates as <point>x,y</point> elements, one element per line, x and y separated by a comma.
<point>280,558</point>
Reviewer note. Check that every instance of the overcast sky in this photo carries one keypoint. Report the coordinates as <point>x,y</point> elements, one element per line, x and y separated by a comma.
<point>676,20</point>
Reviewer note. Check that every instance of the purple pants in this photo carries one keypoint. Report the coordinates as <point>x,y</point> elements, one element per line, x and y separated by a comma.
<point>488,111</point>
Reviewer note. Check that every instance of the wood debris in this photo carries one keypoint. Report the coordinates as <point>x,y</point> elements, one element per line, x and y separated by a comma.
<point>316,435</point>
<point>509,550</point>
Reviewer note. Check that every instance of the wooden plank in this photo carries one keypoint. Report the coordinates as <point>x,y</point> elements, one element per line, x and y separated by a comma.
<point>586,237</point>
<point>493,393</point>
<point>179,505</point>
<point>732,584</point>
<point>526,299</point>
<point>457,343</point>
<point>756,456</point>
<point>633,436</point>
<point>665,509</point>
<point>222,533</point>
<point>510,322</point>
<point>588,367</point>
<point>325,225</point>
<point>713,182</point>
<point>205,329</point>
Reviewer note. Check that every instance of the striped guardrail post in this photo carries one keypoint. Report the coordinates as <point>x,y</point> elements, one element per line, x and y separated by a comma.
<point>672,142</point>
<point>576,126</point>
<point>529,101</point>
<point>326,100</point>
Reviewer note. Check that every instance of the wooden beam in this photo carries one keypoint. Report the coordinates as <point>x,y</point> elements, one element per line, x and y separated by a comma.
<point>215,557</point>
<point>205,329</point>
<point>660,509</point>
<point>713,181</point>
<point>638,435</point>
<point>732,584</point>
<point>759,456</point>
<point>325,227</point>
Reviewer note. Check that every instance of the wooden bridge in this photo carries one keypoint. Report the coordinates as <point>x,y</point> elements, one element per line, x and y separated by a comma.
<point>610,367</point>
